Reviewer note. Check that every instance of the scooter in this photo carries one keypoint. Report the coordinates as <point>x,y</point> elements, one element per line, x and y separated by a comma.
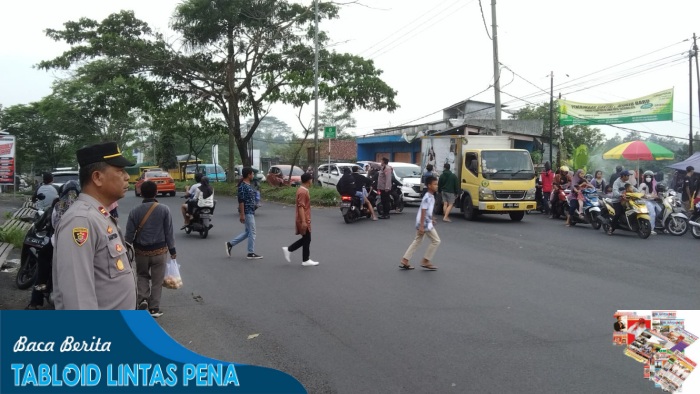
<point>672,218</point>
<point>201,221</point>
<point>591,209</point>
<point>635,218</point>
<point>694,221</point>
<point>352,209</point>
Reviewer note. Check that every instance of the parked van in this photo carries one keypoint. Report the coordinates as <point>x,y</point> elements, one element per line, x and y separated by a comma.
<point>215,173</point>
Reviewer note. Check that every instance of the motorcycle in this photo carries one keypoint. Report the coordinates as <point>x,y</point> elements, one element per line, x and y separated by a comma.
<point>694,221</point>
<point>201,221</point>
<point>36,239</point>
<point>395,197</point>
<point>672,218</point>
<point>591,209</point>
<point>352,209</point>
<point>635,218</point>
<point>560,205</point>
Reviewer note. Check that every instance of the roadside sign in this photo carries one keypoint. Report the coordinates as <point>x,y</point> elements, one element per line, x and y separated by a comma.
<point>7,160</point>
<point>329,132</point>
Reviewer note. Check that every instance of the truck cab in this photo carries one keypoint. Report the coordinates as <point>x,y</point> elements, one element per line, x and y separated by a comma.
<point>494,178</point>
<point>497,181</point>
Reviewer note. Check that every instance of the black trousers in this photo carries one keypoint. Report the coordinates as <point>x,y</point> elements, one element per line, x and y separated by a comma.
<point>386,202</point>
<point>303,243</point>
<point>619,211</point>
<point>545,201</point>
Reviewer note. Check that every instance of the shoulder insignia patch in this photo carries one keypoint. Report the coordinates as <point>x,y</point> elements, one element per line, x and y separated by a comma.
<point>103,211</point>
<point>80,235</point>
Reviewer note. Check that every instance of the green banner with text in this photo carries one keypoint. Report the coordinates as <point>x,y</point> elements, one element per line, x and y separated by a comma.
<point>652,108</point>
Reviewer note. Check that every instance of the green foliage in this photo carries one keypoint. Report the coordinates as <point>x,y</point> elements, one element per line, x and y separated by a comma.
<point>536,157</point>
<point>240,57</point>
<point>572,136</point>
<point>320,196</point>
<point>334,114</point>
<point>580,158</point>
<point>165,155</point>
<point>14,236</point>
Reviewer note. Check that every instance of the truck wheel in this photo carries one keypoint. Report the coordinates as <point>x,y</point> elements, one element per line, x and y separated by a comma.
<point>517,216</point>
<point>468,209</point>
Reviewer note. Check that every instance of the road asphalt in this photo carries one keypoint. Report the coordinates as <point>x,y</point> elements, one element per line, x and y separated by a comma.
<point>514,307</point>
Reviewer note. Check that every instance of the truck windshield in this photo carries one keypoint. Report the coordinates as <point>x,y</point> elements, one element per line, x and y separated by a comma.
<point>505,164</point>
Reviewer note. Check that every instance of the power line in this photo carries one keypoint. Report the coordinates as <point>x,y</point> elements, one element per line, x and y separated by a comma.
<point>483,18</point>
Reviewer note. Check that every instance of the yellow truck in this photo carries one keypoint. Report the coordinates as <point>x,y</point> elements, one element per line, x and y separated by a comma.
<point>494,177</point>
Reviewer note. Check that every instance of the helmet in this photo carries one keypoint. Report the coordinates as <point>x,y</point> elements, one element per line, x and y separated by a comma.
<point>649,173</point>
<point>660,188</point>
<point>564,168</point>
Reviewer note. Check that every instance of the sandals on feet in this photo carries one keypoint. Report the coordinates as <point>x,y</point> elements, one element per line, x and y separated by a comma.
<point>406,266</point>
<point>429,267</point>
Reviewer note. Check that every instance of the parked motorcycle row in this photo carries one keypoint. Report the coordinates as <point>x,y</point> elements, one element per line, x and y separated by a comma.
<point>599,212</point>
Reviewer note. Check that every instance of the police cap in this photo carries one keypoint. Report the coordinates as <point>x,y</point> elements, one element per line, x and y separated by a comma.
<point>107,152</point>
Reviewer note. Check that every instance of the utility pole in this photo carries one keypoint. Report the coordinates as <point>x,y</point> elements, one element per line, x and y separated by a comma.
<point>551,116</point>
<point>690,74</point>
<point>496,70</point>
<point>697,72</point>
<point>316,92</point>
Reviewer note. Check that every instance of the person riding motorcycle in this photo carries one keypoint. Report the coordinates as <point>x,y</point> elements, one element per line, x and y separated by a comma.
<point>203,197</point>
<point>189,194</point>
<point>362,187</point>
<point>617,189</point>
<point>346,183</point>
<point>562,180</point>
<point>648,187</point>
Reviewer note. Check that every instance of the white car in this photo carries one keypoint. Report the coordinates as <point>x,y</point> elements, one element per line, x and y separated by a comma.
<point>329,174</point>
<point>410,177</point>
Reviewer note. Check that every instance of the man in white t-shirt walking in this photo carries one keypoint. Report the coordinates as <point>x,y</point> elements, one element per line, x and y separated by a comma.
<point>425,225</point>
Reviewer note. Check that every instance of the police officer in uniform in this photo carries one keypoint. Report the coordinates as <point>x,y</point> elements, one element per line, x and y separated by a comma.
<point>91,268</point>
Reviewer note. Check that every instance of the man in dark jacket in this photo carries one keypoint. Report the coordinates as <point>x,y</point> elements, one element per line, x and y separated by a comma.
<point>616,175</point>
<point>346,183</point>
<point>362,186</point>
<point>152,243</point>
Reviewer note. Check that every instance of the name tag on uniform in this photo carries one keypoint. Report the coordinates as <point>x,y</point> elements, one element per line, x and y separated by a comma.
<point>112,236</point>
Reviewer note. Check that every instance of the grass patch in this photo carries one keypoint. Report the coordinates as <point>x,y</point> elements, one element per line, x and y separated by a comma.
<point>320,196</point>
<point>8,215</point>
<point>14,236</point>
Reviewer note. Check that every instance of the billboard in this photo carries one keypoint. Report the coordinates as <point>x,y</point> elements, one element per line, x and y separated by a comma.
<point>652,108</point>
<point>7,160</point>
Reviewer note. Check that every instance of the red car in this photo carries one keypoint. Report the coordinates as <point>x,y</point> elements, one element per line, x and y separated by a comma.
<point>279,175</point>
<point>163,180</point>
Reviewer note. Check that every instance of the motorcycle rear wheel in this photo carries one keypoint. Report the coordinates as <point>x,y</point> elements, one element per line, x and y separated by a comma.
<point>644,230</point>
<point>27,272</point>
<point>676,227</point>
<point>695,231</point>
<point>204,233</point>
<point>188,230</point>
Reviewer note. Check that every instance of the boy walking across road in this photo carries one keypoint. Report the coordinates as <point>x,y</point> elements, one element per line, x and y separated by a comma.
<point>425,225</point>
<point>303,223</point>
<point>246,207</point>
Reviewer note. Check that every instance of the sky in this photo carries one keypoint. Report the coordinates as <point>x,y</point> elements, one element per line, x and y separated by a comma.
<point>437,53</point>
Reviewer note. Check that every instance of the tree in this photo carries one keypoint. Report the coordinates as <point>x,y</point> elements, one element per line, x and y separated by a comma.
<point>240,55</point>
<point>48,132</point>
<point>572,136</point>
<point>335,114</point>
<point>188,122</point>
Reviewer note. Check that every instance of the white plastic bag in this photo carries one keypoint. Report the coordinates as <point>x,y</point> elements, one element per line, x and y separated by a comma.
<point>172,279</point>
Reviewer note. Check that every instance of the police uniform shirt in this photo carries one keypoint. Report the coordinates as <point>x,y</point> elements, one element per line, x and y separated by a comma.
<point>91,269</point>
